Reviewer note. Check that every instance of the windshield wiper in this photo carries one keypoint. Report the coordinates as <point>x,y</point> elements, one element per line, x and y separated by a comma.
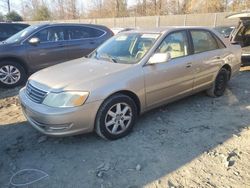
<point>109,57</point>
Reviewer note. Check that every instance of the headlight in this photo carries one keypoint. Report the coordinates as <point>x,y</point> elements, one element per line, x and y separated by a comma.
<point>66,99</point>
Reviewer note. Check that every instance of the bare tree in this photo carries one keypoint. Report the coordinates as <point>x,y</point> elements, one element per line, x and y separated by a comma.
<point>72,12</point>
<point>59,6</point>
<point>6,4</point>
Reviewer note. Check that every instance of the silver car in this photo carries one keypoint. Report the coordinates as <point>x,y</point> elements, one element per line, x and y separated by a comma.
<point>128,75</point>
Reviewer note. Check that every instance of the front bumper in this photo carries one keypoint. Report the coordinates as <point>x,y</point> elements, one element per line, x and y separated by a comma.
<point>59,121</point>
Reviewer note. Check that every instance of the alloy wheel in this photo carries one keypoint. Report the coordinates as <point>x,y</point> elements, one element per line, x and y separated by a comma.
<point>118,118</point>
<point>9,74</point>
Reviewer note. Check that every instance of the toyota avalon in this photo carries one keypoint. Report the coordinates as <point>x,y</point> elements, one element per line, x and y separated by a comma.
<point>126,76</point>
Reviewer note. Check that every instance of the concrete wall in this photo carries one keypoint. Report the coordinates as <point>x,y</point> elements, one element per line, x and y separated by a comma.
<point>209,19</point>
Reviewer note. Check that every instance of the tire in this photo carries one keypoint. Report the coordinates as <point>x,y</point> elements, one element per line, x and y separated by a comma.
<point>220,84</point>
<point>17,77</point>
<point>112,123</point>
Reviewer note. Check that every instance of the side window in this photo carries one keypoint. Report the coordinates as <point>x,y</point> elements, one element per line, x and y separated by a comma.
<point>203,41</point>
<point>219,42</point>
<point>93,32</point>
<point>82,32</point>
<point>52,34</point>
<point>176,44</point>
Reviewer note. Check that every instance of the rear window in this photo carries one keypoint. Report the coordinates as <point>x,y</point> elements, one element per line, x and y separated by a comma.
<point>82,32</point>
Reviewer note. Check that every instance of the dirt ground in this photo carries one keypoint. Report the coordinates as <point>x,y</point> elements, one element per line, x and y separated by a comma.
<point>196,142</point>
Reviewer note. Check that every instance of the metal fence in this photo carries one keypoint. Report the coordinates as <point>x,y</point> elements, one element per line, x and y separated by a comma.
<point>208,19</point>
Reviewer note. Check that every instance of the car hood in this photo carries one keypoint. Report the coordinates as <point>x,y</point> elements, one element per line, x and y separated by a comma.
<point>78,74</point>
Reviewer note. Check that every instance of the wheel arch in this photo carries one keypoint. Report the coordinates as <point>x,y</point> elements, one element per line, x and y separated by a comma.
<point>229,69</point>
<point>18,60</point>
<point>130,94</point>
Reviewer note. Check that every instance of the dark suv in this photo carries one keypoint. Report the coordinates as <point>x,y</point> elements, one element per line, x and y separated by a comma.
<point>9,29</point>
<point>40,46</point>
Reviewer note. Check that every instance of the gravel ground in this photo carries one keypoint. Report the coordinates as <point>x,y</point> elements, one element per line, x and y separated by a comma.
<point>195,142</point>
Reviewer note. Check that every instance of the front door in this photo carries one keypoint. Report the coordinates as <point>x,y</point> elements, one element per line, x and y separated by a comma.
<point>171,79</point>
<point>51,49</point>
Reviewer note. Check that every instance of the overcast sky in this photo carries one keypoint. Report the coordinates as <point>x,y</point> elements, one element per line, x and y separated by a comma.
<point>16,5</point>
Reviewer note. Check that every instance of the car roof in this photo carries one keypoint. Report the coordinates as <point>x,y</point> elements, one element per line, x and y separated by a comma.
<point>240,15</point>
<point>166,29</point>
<point>69,24</point>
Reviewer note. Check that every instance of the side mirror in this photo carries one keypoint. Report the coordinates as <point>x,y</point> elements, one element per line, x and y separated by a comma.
<point>34,41</point>
<point>159,58</point>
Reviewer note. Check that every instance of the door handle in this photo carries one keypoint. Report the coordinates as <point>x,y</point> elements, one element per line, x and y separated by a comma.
<point>92,42</point>
<point>188,65</point>
<point>217,57</point>
<point>60,45</point>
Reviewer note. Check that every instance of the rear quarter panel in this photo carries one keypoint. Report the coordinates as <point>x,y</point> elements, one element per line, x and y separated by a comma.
<point>234,59</point>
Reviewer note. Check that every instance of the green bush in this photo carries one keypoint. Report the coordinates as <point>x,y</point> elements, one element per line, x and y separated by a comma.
<point>1,17</point>
<point>13,16</point>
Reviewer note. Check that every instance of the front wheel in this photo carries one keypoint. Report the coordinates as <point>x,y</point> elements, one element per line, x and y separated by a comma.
<point>12,74</point>
<point>220,84</point>
<point>116,117</point>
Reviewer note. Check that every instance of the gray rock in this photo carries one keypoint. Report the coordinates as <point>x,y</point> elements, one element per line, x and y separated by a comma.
<point>99,174</point>
<point>138,167</point>
<point>231,163</point>
<point>159,182</point>
<point>236,173</point>
<point>103,167</point>
<point>42,139</point>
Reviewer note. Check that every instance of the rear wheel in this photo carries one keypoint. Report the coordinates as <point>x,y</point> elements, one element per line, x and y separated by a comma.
<point>116,117</point>
<point>220,84</point>
<point>12,74</point>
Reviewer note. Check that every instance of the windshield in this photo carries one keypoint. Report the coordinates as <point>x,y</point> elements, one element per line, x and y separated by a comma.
<point>126,47</point>
<point>21,35</point>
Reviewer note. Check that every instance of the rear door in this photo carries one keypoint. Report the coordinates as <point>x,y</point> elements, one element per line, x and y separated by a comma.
<point>208,54</point>
<point>168,80</point>
<point>51,49</point>
<point>82,40</point>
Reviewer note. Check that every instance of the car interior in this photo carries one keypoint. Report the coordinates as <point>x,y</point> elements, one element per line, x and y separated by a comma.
<point>204,41</point>
<point>144,46</point>
<point>243,36</point>
<point>176,44</point>
<point>50,35</point>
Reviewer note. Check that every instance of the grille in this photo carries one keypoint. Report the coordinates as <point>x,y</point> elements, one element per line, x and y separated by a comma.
<point>35,94</point>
